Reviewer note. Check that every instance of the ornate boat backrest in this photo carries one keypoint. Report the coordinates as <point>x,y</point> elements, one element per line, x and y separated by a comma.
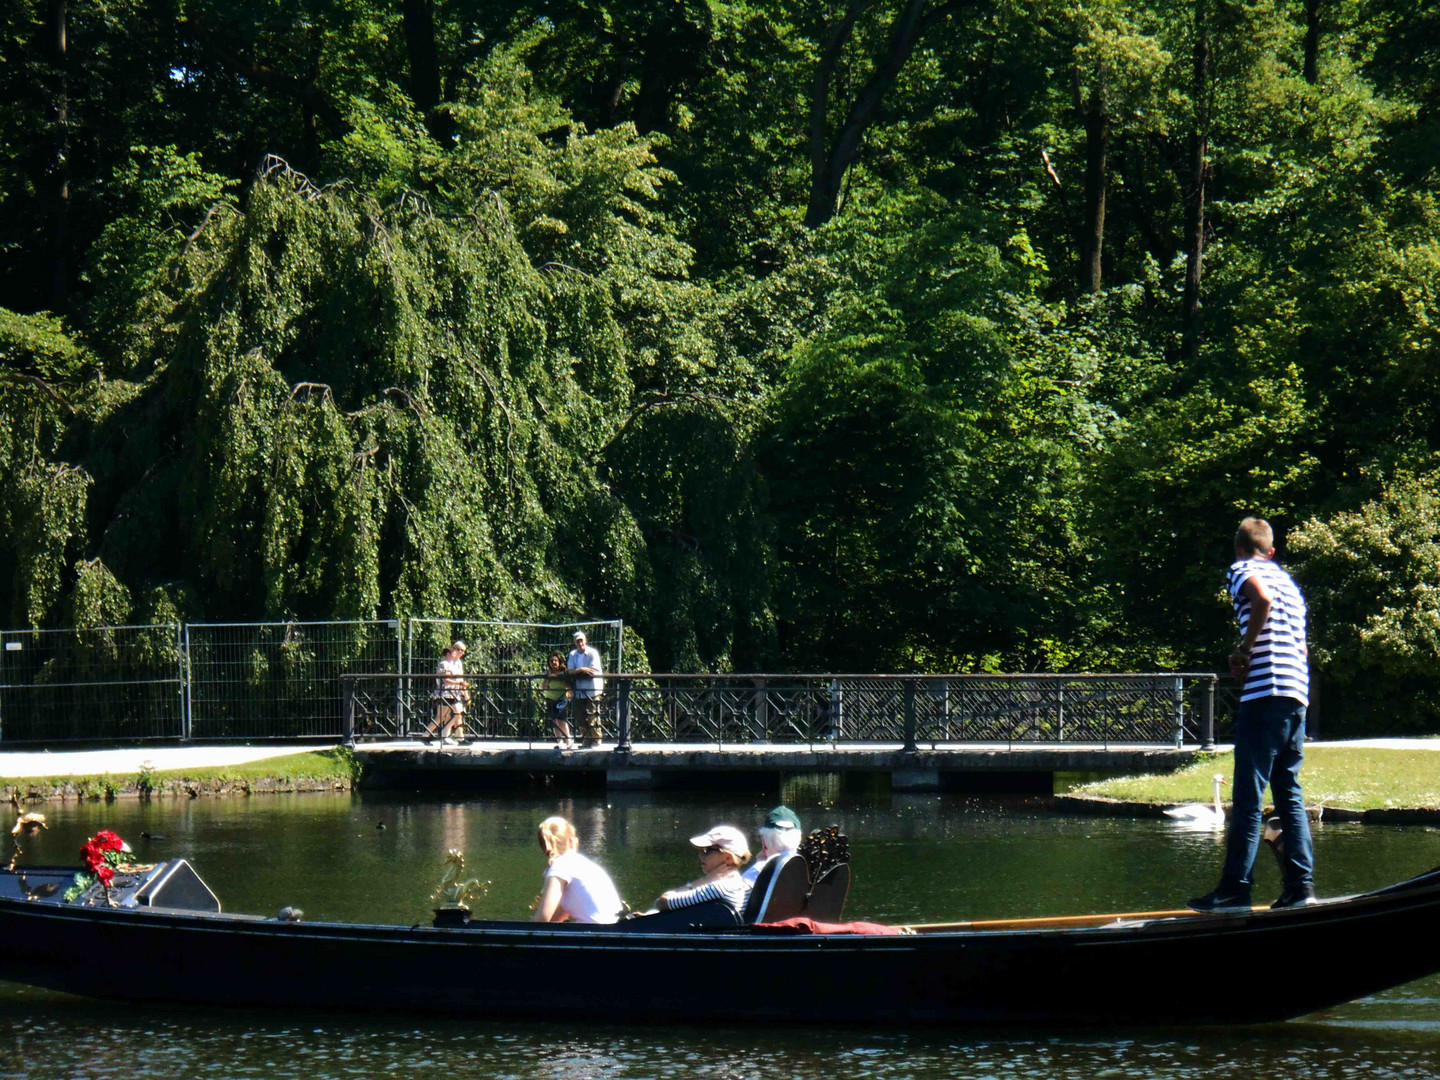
<point>826,902</point>
<point>823,849</point>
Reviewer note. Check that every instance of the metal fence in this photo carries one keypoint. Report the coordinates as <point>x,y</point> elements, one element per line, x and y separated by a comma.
<point>507,648</point>
<point>254,680</point>
<point>111,682</point>
<point>279,680</point>
<point>808,709</point>
<point>369,679</point>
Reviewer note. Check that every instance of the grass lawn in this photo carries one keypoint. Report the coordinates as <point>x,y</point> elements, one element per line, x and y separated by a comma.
<point>310,766</point>
<point>1356,778</point>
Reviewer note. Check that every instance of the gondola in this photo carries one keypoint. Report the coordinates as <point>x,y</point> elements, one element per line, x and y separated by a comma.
<point>167,940</point>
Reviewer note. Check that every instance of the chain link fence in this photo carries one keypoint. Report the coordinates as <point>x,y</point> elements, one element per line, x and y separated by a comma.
<point>253,680</point>
<point>109,682</point>
<point>279,680</point>
<point>507,648</point>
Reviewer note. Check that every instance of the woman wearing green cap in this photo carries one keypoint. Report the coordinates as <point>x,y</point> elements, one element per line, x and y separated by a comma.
<point>779,837</point>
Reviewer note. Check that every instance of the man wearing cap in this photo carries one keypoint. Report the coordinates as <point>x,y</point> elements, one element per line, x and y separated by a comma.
<point>584,664</point>
<point>779,837</point>
<point>722,850</point>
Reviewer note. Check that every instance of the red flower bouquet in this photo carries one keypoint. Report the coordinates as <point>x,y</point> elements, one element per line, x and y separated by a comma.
<point>101,854</point>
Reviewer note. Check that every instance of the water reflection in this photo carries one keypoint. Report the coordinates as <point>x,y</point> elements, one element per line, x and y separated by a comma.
<point>51,1035</point>
<point>916,858</point>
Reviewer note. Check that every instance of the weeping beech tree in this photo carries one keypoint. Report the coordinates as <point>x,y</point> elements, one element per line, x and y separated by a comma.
<point>394,392</point>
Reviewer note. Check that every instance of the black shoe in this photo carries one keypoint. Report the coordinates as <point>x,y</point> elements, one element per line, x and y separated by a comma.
<point>1296,896</point>
<point>1222,899</point>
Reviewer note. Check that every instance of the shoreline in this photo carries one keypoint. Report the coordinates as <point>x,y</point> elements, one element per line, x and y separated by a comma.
<point>265,773</point>
<point>107,788</point>
<point>1389,782</point>
<point>1101,806</point>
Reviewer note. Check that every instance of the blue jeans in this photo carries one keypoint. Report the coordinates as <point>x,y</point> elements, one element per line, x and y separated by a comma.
<point>1269,746</point>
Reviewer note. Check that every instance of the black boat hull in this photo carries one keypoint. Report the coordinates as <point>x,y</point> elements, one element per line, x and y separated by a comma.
<point>1137,972</point>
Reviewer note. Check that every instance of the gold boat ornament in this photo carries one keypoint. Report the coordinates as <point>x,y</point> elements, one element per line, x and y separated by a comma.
<point>453,890</point>
<point>25,825</point>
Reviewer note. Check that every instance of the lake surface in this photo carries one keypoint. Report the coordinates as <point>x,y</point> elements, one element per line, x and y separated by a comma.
<point>923,858</point>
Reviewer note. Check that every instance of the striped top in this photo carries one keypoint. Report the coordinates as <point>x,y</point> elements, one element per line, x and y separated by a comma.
<point>731,888</point>
<point>1279,664</point>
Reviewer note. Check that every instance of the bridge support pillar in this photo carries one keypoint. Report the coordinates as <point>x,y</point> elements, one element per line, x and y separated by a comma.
<point>915,780</point>
<point>629,778</point>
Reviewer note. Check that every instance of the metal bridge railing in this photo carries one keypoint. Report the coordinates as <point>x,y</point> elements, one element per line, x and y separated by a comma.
<point>908,710</point>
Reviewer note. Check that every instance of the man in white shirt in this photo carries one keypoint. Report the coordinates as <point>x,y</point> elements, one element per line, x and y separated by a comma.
<point>584,664</point>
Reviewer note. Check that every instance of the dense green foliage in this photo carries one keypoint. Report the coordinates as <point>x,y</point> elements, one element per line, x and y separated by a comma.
<point>807,334</point>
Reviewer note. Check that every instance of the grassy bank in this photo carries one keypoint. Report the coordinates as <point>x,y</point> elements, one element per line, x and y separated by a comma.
<point>1334,776</point>
<point>320,770</point>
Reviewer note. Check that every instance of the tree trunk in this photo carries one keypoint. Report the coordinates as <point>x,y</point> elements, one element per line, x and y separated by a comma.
<point>1097,149</point>
<point>1312,41</point>
<point>419,22</point>
<point>1137,189</point>
<point>829,160</point>
<point>60,159</point>
<point>824,186</point>
<point>1195,193</point>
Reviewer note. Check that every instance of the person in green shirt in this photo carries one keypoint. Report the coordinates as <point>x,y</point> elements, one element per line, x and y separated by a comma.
<point>555,690</point>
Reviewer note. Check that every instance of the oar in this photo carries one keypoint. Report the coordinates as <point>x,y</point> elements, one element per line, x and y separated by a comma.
<point>1055,922</point>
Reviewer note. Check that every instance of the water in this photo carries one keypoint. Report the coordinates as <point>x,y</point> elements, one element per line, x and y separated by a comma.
<point>916,858</point>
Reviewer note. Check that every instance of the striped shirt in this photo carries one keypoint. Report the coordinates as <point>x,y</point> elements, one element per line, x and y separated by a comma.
<point>1279,664</point>
<point>731,888</point>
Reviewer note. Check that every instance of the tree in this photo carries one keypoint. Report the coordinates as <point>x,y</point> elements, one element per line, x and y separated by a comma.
<point>835,143</point>
<point>1372,580</point>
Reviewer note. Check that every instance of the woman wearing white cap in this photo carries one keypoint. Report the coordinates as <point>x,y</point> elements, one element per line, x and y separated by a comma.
<point>722,852</point>
<point>575,887</point>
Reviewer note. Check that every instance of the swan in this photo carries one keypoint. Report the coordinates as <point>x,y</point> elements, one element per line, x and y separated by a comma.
<point>1199,814</point>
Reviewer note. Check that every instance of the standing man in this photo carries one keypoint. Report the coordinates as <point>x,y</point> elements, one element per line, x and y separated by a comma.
<point>1270,730</point>
<point>584,664</point>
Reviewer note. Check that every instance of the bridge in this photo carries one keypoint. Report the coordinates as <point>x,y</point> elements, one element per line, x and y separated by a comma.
<point>915,733</point>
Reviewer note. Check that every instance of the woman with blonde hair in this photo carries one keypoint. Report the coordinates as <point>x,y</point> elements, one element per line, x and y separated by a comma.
<point>576,887</point>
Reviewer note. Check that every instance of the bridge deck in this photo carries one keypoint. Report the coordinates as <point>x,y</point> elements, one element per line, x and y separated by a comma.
<point>653,764</point>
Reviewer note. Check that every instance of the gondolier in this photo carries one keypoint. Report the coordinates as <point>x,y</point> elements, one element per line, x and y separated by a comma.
<point>1273,660</point>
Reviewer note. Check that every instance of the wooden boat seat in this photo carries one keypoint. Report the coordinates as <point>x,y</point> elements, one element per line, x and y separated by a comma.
<point>786,892</point>
<point>776,892</point>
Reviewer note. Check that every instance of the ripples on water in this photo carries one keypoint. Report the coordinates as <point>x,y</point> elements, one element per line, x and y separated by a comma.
<point>921,858</point>
<point>49,1035</point>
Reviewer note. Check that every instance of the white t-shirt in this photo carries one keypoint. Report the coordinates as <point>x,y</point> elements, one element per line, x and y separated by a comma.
<point>589,895</point>
<point>585,686</point>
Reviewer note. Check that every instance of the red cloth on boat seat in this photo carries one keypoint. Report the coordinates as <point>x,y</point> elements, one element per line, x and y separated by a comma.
<point>803,924</point>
